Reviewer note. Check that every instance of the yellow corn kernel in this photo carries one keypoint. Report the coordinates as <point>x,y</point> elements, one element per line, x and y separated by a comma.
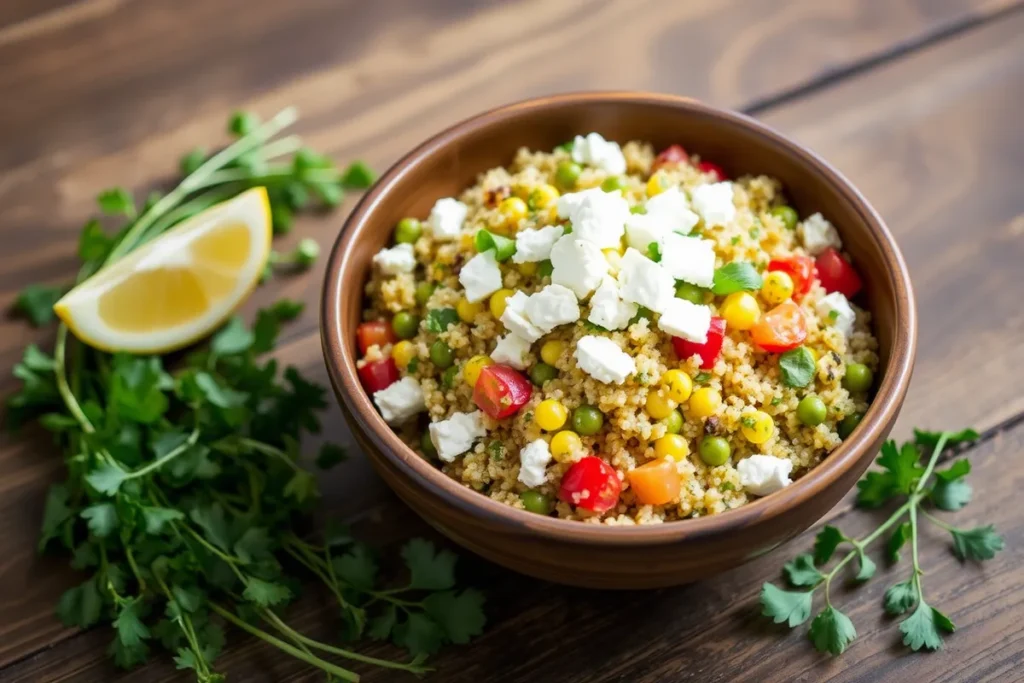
<point>740,310</point>
<point>468,311</point>
<point>528,269</point>
<point>551,351</point>
<point>498,300</point>
<point>657,184</point>
<point>550,415</point>
<point>521,190</point>
<point>678,385</point>
<point>542,197</point>
<point>705,402</point>
<point>757,426</point>
<point>403,352</point>
<point>471,370</point>
<point>777,287</point>
<point>564,444</point>
<point>659,406</point>
<point>513,209</point>
<point>671,446</point>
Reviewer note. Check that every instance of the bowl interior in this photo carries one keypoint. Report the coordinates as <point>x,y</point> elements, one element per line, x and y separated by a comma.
<point>451,161</point>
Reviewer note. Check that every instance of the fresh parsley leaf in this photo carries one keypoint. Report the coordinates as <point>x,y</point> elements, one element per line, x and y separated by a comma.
<point>800,571</point>
<point>867,566</point>
<point>220,396</point>
<point>419,634</point>
<point>301,487</point>
<point>189,599</point>
<point>737,276</point>
<point>439,319</point>
<point>116,201</point>
<point>265,593</point>
<point>157,518</point>
<point>430,570</point>
<point>900,598</point>
<point>233,338</point>
<point>192,161</point>
<point>101,519</point>
<point>356,568</point>
<point>106,478</point>
<point>358,176</point>
<point>929,440</point>
<point>128,623</point>
<point>832,631</point>
<point>212,521</point>
<point>875,489</point>
<point>825,544</point>
<point>950,495</point>
<point>921,629</point>
<point>790,607</point>
<point>137,388</point>
<point>959,469</point>
<point>35,302</point>
<point>93,243</point>
<point>979,543</point>
<point>383,624</point>
<point>797,367</point>
<point>330,455</point>
<point>80,606</point>
<point>126,657</point>
<point>269,321</point>
<point>253,545</point>
<point>904,464</point>
<point>898,539</point>
<point>461,615</point>
<point>56,513</point>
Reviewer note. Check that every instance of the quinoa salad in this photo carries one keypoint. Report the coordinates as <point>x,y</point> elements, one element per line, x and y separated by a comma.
<point>618,335</point>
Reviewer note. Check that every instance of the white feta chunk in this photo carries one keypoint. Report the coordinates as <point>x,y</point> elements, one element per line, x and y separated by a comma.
<point>397,259</point>
<point>578,265</point>
<point>834,309</point>
<point>644,282</point>
<point>607,308</point>
<point>552,306</point>
<point>400,401</point>
<point>446,218</point>
<point>455,436</point>
<point>594,150</point>
<point>535,244</point>
<point>597,216</point>
<point>817,234</point>
<point>602,359</point>
<point>713,202</point>
<point>682,318</point>
<point>642,230</point>
<point>690,259</point>
<point>533,461</point>
<point>764,474</point>
<point>480,276</point>
<point>671,209</point>
<point>511,350</point>
<point>516,320</point>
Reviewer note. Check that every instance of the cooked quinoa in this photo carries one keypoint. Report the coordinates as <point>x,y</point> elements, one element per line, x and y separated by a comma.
<point>525,196</point>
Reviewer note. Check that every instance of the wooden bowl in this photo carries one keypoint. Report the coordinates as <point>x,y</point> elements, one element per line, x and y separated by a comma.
<point>594,555</point>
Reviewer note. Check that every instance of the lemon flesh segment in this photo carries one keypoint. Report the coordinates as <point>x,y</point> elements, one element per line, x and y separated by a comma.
<point>180,286</point>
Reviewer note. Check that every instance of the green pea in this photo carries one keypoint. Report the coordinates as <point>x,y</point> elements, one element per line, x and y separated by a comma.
<point>545,268</point>
<point>441,354</point>
<point>427,446</point>
<point>858,377</point>
<point>786,214</point>
<point>404,325</point>
<point>638,209</point>
<point>448,378</point>
<point>535,501</point>
<point>542,373</point>
<point>567,173</point>
<point>674,422</point>
<point>692,293</point>
<point>613,182</point>
<point>587,420</point>
<point>408,231</point>
<point>714,451</point>
<point>848,424</point>
<point>424,291</point>
<point>811,411</point>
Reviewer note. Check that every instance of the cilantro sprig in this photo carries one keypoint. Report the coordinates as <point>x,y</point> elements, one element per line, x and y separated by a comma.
<point>185,494</point>
<point>902,478</point>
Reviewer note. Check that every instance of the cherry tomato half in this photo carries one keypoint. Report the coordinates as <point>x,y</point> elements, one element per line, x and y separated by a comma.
<point>800,269</point>
<point>378,374</point>
<point>780,329</point>
<point>376,332</point>
<point>670,156</point>
<point>591,484</point>
<point>655,483</point>
<point>708,351</point>
<point>716,171</point>
<point>501,391</point>
<point>837,274</point>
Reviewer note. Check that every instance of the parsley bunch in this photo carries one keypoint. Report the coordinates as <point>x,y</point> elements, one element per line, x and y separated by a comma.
<point>185,502</point>
<point>903,478</point>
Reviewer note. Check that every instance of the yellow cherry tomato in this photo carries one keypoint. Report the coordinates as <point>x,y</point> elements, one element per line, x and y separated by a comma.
<point>671,446</point>
<point>659,406</point>
<point>678,385</point>
<point>542,197</point>
<point>498,300</point>
<point>468,311</point>
<point>705,402</point>
<point>551,351</point>
<point>513,209</point>
<point>564,444</point>
<point>471,370</point>
<point>550,415</point>
<point>757,426</point>
<point>740,310</point>
<point>777,287</point>
<point>657,184</point>
<point>403,352</point>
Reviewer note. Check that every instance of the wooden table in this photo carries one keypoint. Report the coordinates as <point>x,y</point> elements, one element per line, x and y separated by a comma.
<point>917,101</point>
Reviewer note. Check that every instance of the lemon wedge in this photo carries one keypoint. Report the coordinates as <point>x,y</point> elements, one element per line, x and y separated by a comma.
<point>177,288</point>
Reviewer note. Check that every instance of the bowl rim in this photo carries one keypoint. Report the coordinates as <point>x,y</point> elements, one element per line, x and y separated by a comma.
<point>356,403</point>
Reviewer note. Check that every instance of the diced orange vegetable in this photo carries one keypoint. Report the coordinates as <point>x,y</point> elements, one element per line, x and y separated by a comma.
<point>655,483</point>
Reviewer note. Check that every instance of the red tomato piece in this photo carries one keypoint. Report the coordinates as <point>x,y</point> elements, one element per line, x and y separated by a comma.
<point>377,332</point>
<point>709,350</point>
<point>800,269</point>
<point>837,274</point>
<point>714,169</point>
<point>378,374</point>
<point>780,329</point>
<point>501,391</point>
<point>670,156</point>
<point>591,484</point>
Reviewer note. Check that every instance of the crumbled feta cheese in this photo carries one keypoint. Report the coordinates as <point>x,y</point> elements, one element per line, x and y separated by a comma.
<point>515,318</point>
<point>596,151</point>
<point>690,259</point>
<point>602,359</point>
<point>818,234</point>
<point>713,202</point>
<point>481,276</point>
<point>835,309</point>
<point>535,245</point>
<point>607,308</point>
<point>671,209</point>
<point>642,230</point>
<point>578,265</point>
<point>400,401</point>
<point>397,259</point>
<point>455,436</point>
<point>533,459</point>
<point>682,318</point>
<point>764,474</point>
<point>511,350</point>
<point>597,216</point>
<point>644,282</point>
<point>552,306</point>
<point>446,218</point>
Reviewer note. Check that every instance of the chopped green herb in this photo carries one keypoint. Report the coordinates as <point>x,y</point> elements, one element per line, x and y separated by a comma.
<point>777,401</point>
<point>754,233</point>
<point>748,422</point>
<point>654,252</point>
<point>503,247</point>
<point>832,315</point>
<point>702,377</point>
<point>737,276</point>
<point>735,240</point>
<point>439,319</point>
<point>414,364</point>
<point>797,367</point>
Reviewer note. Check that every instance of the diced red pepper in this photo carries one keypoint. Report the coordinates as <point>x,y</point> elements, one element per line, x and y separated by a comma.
<point>670,156</point>
<point>501,391</point>
<point>800,269</point>
<point>378,374</point>
<point>709,350</point>
<point>780,329</point>
<point>837,274</point>
<point>376,332</point>
<point>716,171</point>
<point>591,484</point>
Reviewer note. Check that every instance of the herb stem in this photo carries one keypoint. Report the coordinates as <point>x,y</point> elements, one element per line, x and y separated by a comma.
<point>913,548</point>
<point>60,371</point>
<point>174,453</point>
<point>272,451</point>
<point>938,522</point>
<point>940,445</point>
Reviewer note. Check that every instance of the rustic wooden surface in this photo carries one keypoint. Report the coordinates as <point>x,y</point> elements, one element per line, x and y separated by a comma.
<point>917,101</point>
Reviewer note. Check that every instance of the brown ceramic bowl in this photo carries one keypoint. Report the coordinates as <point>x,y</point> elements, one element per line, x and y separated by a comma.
<point>595,555</point>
